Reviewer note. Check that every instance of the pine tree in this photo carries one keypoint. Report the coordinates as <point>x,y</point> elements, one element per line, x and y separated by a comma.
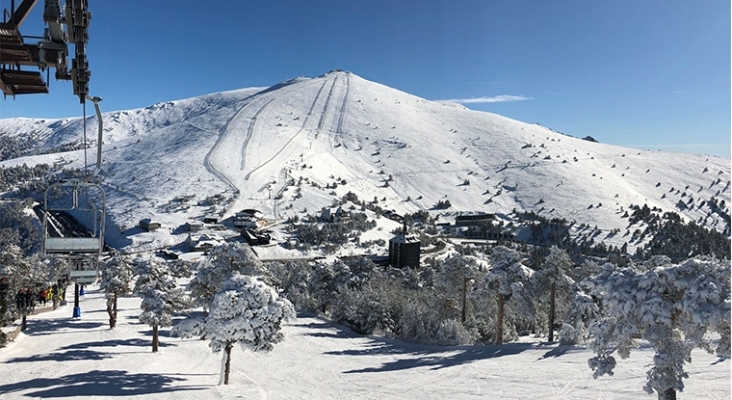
<point>507,280</point>
<point>221,262</point>
<point>160,296</point>
<point>453,281</point>
<point>553,276</point>
<point>244,311</point>
<point>671,306</point>
<point>117,274</point>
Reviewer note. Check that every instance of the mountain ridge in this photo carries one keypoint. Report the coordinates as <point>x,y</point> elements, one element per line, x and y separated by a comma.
<point>306,142</point>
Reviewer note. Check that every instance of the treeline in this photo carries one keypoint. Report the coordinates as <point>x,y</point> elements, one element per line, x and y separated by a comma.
<point>668,235</point>
<point>672,237</point>
<point>22,177</point>
<point>17,227</point>
<point>13,147</point>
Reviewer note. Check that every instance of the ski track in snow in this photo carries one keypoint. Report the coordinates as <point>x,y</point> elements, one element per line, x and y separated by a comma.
<point>232,133</point>
<point>278,152</point>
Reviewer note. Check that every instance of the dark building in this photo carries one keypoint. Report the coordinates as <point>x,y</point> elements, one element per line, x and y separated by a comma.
<point>474,219</point>
<point>149,225</point>
<point>404,251</point>
<point>211,219</point>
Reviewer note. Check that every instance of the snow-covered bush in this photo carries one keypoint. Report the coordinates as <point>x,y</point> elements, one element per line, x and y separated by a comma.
<point>421,323</point>
<point>581,314</point>
<point>364,311</point>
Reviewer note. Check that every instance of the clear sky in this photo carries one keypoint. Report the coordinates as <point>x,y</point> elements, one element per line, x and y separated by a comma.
<point>651,74</point>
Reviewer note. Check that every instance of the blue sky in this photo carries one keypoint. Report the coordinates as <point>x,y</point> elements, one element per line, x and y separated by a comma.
<point>651,74</point>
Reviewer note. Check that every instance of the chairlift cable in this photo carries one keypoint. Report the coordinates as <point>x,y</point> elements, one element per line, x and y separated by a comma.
<point>83,108</point>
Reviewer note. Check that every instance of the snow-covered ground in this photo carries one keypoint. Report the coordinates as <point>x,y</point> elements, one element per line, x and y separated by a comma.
<point>61,357</point>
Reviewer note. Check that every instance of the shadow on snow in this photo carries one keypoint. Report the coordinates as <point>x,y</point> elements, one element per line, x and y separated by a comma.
<point>55,326</point>
<point>98,383</point>
<point>434,357</point>
<point>72,355</point>
<point>136,342</point>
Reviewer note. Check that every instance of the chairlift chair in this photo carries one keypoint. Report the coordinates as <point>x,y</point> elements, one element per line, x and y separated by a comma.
<point>79,247</point>
<point>76,247</point>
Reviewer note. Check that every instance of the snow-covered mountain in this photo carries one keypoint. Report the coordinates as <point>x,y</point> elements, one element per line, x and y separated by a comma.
<point>301,144</point>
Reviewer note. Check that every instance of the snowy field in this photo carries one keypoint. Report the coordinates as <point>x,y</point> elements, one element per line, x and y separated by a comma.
<point>61,357</point>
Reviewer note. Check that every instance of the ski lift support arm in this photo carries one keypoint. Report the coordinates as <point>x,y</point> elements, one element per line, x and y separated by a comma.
<point>96,100</point>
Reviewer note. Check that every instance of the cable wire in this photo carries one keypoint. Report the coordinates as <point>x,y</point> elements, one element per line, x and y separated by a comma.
<point>83,107</point>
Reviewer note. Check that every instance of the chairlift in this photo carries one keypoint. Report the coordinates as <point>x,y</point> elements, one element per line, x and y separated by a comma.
<point>93,207</point>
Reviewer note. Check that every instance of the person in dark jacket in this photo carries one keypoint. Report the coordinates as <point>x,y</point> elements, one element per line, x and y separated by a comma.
<point>20,301</point>
<point>30,300</point>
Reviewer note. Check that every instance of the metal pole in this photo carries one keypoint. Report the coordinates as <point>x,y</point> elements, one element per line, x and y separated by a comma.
<point>465,281</point>
<point>77,309</point>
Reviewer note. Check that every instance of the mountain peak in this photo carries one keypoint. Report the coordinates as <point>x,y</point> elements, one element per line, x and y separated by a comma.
<point>307,142</point>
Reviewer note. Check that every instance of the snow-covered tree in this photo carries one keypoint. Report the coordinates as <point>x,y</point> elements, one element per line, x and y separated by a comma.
<point>673,307</point>
<point>322,285</point>
<point>220,264</point>
<point>582,312</point>
<point>11,259</point>
<point>453,281</point>
<point>20,272</point>
<point>370,308</point>
<point>160,296</point>
<point>294,279</point>
<point>117,274</point>
<point>553,277</point>
<point>507,280</point>
<point>180,268</point>
<point>56,269</point>
<point>244,311</point>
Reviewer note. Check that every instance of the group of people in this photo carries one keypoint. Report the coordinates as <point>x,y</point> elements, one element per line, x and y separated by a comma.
<point>26,298</point>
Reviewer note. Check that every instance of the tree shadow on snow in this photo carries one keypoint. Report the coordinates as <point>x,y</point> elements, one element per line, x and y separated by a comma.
<point>135,342</point>
<point>38,327</point>
<point>72,355</point>
<point>436,357</point>
<point>98,383</point>
<point>325,328</point>
<point>561,350</point>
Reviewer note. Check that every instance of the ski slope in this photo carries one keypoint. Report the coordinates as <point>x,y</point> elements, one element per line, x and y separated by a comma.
<point>61,357</point>
<point>296,147</point>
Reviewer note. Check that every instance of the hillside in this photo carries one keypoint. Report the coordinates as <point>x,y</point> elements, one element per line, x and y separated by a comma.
<point>294,148</point>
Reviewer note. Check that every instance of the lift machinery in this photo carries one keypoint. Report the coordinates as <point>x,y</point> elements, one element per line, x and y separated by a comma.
<point>23,60</point>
